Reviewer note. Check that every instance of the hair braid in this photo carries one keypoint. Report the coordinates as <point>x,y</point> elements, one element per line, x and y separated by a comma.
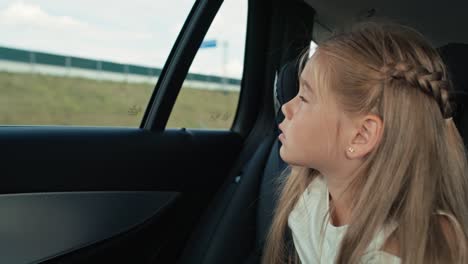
<point>431,83</point>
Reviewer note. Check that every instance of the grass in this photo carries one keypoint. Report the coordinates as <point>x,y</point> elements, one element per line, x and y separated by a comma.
<point>35,99</point>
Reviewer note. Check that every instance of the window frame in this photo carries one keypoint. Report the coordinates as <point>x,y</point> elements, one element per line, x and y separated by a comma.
<point>178,64</point>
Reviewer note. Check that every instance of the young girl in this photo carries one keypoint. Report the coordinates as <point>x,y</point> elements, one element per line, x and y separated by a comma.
<point>378,168</point>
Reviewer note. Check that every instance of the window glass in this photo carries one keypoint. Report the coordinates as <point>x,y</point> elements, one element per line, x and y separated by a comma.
<point>312,48</point>
<point>91,63</point>
<point>210,93</point>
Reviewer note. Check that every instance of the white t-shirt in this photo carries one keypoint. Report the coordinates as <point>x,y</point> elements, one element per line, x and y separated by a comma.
<point>317,241</point>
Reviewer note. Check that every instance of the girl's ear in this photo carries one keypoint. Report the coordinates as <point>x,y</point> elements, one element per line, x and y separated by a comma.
<point>365,137</point>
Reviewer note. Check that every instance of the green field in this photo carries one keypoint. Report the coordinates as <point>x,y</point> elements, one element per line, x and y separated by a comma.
<point>35,99</point>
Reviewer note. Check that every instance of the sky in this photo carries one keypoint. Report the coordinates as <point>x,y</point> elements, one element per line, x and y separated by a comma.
<point>139,32</point>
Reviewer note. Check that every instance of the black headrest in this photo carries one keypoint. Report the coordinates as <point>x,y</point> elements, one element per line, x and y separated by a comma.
<point>287,86</point>
<point>455,57</point>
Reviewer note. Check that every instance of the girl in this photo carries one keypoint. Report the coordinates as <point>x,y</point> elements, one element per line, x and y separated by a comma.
<point>378,168</point>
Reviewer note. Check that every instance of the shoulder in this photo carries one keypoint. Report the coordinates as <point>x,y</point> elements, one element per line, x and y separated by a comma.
<point>388,252</point>
<point>391,246</point>
<point>378,257</point>
<point>448,225</point>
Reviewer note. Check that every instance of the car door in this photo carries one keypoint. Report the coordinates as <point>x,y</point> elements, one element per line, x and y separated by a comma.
<point>110,194</point>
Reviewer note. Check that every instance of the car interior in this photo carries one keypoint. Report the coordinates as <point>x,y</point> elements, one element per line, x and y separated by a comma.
<point>158,195</point>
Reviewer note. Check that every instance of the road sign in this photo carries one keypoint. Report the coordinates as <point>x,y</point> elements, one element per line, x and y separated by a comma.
<point>208,44</point>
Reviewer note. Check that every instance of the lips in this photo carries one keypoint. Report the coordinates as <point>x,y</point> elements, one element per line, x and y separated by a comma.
<point>281,137</point>
<point>279,127</point>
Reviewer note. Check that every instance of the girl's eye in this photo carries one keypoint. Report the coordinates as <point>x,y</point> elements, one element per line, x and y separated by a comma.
<point>302,98</point>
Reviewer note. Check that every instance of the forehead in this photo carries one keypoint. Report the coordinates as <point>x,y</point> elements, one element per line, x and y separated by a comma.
<point>316,78</point>
<point>308,72</point>
<point>310,65</point>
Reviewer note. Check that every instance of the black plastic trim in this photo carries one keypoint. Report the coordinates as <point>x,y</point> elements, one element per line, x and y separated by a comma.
<point>39,226</point>
<point>179,61</point>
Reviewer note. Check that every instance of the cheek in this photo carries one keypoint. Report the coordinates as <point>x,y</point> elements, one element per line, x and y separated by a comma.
<point>329,143</point>
<point>294,149</point>
<point>311,144</point>
<point>300,146</point>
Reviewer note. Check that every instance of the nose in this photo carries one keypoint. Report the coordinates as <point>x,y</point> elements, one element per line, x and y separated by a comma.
<point>287,109</point>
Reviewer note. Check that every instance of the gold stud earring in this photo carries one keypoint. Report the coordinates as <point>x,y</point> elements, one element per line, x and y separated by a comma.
<point>351,149</point>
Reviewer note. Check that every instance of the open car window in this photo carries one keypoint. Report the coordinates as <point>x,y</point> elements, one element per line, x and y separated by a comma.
<point>210,93</point>
<point>83,63</point>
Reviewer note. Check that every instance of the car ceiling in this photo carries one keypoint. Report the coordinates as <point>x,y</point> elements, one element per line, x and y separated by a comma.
<point>440,21</point>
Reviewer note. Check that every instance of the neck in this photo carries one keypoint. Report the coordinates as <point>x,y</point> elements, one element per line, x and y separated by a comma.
<point>340,198</point>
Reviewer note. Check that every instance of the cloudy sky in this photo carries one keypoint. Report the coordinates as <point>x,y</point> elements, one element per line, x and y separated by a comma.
<point>139,32</point>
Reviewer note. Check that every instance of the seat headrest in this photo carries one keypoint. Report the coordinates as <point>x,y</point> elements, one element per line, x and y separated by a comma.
<point>455,57</point>
<point>286,87</point>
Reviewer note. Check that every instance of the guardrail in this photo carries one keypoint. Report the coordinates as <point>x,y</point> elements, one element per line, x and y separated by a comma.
<point>42,58</point>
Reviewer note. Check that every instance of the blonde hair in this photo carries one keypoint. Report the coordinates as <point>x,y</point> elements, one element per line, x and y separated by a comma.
<point>418,169</point>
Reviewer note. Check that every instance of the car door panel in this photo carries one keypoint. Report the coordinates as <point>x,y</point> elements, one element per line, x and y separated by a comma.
<point>40,226</point>
<point>79,179</point>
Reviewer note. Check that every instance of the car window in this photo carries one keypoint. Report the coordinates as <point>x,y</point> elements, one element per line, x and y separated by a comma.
<point>210,93</point>
<point>91,63</point>
<point>312,48</point>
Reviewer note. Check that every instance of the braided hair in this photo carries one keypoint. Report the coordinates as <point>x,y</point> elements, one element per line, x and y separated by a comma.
<point>431,83</point>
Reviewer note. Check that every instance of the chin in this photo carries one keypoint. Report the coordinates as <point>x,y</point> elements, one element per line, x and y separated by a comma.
<point>283,155</point>
<point>290,161</point>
